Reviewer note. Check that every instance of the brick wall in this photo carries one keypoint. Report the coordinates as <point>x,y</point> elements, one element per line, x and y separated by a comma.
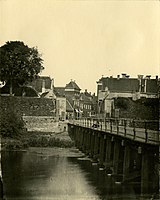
<point>29,106</point>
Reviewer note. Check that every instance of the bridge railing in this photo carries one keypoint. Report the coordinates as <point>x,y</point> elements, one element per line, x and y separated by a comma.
<point>141,130</point>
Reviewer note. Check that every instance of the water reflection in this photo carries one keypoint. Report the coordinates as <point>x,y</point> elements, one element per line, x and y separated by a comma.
<point>57,174</point>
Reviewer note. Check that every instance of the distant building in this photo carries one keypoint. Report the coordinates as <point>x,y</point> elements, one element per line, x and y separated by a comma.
<point>60,103</point>
<point>88,104</point>
<point>78,104</point>
<point>25,91</point>
<point>109,88</point>
<point>72,89</point>
<point>42,84</point>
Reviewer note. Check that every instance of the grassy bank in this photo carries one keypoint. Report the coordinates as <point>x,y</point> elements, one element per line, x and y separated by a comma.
<point>37,139</point>
<point>33,131</point>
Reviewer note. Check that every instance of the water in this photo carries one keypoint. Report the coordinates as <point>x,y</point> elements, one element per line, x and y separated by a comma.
<point>58,174</point>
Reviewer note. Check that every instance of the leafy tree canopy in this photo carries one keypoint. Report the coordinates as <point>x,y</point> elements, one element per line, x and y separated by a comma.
<point>19,63</point>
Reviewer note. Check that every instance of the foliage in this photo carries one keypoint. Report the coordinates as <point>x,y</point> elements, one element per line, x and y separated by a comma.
<point>11,124</point>
<point>19,63</point>
<point>46,140</point>
<point>122,103</point>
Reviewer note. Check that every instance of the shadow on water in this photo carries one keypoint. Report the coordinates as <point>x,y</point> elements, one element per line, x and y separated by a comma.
<point>58,174</point>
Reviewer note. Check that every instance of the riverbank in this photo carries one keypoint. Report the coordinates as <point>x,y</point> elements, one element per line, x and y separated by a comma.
<point>38,139</point>
<point>40,132</point>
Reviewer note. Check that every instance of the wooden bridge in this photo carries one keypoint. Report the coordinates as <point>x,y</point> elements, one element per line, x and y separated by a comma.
<point>126,148</point>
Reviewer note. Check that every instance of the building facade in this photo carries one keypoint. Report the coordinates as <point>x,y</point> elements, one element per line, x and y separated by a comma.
<point>109,88</point>
<point>78,104</point>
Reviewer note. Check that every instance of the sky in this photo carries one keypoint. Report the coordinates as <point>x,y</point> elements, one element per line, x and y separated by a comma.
<point>85,40</point>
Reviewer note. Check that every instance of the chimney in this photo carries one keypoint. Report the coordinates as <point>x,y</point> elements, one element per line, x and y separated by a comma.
<point>43,86</point>
<point>140,76</point>
<point>123,75</point>
<point>52,84</point>
<point>118,77</point>
<point>148,76</point>
<point>156,77</point>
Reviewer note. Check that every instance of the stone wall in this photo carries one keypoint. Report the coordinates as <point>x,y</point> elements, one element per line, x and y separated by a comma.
<point>44,124</point>
<point>29,106</point>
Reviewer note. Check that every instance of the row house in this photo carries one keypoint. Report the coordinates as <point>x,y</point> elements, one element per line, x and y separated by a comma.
<point>61,103</point>
<point>109,88</point>
<point>83,103</point>
<point>78,104</point>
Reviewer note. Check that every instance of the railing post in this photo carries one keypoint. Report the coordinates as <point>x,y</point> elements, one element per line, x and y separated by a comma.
<point>91,122</point>
<point>146,133</point>
<point>105,124</point>
<point>134,130</point>
<point>117,126</point>
<point>125,131</point>
<point>111,125</point>
<point>85,122</point>
<point>101,123</point>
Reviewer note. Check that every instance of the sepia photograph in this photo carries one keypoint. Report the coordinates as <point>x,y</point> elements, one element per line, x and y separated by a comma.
<point>79,99</point>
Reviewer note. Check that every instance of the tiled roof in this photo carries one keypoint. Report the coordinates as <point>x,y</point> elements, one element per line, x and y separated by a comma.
<point>152,86</point>
<point>128,84</point>
<point>59,91</point>
<point>123,85</point>
<point>85,97</point>
<point>37,84</point>
<point>72,85</point>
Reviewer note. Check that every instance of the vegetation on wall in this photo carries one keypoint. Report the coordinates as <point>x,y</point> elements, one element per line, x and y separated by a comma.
<point>11,124</point>
<point>144,108</point>
<point>122,103</point>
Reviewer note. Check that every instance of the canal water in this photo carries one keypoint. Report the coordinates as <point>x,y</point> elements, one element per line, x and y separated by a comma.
<point>58,174</point>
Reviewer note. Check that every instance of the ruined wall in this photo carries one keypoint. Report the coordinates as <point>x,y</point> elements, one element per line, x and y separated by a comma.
<point>29,106</point>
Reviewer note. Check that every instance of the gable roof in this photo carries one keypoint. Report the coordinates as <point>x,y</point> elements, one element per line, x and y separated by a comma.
<point>72,85</point>
<point>85,97</point>
<point>44,94</point>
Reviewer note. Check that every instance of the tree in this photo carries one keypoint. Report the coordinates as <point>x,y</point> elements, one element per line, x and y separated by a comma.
<point>12,123</point>
<point>19,64</point>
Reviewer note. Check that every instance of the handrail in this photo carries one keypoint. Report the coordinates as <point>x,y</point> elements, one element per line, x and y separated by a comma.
<point>140,130</point>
